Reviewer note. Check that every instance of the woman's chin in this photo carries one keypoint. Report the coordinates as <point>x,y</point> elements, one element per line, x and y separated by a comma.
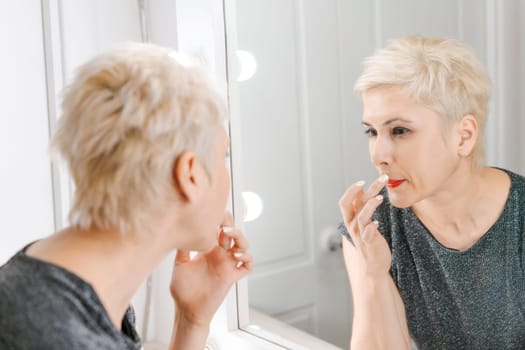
<point>399,201</point>
<point>200,244</point>
<point>205,245</point>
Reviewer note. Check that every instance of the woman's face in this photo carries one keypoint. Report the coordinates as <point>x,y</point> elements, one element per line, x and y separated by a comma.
<point>220,177</point>
<point>213,204</point>
<point>407,142</point>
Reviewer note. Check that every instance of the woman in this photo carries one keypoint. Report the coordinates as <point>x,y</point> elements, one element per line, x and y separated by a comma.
<point>144,140</point>
<point>436,256</point>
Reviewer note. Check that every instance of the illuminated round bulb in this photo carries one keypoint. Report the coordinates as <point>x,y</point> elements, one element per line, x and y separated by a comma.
<point>253,206</point>
<point>247,63</point>
<point>182,59</point>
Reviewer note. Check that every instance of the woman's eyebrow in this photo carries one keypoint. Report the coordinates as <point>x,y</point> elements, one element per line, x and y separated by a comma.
<point>389,121</point>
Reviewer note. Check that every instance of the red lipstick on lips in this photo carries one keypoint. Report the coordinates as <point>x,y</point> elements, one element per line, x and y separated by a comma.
<point>394,183</point>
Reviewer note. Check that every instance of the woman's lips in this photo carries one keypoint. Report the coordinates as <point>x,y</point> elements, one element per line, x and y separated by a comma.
<point>394,183</point>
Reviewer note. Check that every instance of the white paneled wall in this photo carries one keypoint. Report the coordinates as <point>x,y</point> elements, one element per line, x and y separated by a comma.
<point>505,44</point>
<point>26,197</point>
<point>92,26</point>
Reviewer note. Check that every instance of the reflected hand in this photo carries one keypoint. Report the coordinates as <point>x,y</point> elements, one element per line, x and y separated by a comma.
<point>357,208</point>
<point>199,285</point>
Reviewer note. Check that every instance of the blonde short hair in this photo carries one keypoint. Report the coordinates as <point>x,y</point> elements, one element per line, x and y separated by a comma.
<point>127,116</point>
<point>441,73</point>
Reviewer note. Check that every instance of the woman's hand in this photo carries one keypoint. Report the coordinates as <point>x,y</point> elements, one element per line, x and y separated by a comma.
<point>357,208</point>
<point>199,285</point>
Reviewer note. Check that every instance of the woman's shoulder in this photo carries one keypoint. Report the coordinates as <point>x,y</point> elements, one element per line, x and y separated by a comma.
<point>517,181</point>
<point>517,186</point>
<point>515,178</point>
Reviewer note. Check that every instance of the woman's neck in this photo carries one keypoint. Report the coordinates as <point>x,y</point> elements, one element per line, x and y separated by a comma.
<point>461,212</point>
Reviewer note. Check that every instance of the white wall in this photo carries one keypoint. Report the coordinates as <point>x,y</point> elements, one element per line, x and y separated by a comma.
<point>26,197</point>
<point>505,47</point>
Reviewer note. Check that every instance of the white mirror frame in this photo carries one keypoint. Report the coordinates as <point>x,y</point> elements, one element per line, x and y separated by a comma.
<point>62,184</point>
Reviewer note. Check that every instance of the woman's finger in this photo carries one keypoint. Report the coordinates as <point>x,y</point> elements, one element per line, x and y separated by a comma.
<point>239,239</point>
<point>369,232</point>
<point>347,201</point>
<point>365,215</point>
<point>226,226</point>
<point>376,187</point>
<point>182,257</point>
<point>243,260</point>
<point>241,255</point>
<point>372,191</point>
<point>225,241</point>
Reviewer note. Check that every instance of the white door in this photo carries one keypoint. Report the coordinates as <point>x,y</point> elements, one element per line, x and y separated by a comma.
<point>292,154</point>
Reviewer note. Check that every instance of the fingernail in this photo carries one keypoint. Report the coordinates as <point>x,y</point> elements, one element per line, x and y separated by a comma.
<point>379,197</point>
<point>360,183</point>
<point>227,229</point>
<point>383,178</point>
<point>238,254</point>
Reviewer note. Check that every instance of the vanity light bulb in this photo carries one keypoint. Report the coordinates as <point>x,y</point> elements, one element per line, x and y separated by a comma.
<point>247,64</point>
<point>253,206</point>
<point>182,59</point>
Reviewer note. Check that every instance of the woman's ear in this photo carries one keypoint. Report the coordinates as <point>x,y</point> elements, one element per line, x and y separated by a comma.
<point>468,135</point>
<point>188,176</point>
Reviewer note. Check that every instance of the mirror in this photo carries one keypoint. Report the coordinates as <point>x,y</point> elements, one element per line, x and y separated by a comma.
<point>301,142</point>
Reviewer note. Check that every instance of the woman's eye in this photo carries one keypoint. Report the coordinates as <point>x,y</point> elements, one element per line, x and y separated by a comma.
<point>400,131</point>
<point>370,132</point>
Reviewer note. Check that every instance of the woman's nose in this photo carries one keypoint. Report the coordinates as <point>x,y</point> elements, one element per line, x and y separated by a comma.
<point>381,150</point>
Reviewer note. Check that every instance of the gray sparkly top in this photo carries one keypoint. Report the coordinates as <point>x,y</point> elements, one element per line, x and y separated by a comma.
<point>46,307</point>
<point>471,299</point>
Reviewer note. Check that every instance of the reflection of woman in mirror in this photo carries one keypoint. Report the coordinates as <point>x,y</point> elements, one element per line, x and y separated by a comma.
<point>437,256</point>
<point>144,140</point>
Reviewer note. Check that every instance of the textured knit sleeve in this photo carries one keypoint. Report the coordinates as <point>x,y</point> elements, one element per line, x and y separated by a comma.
<point>385,214</point>
<point>343,231</point>
<point>128,324</point>
<point>380,215</point>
